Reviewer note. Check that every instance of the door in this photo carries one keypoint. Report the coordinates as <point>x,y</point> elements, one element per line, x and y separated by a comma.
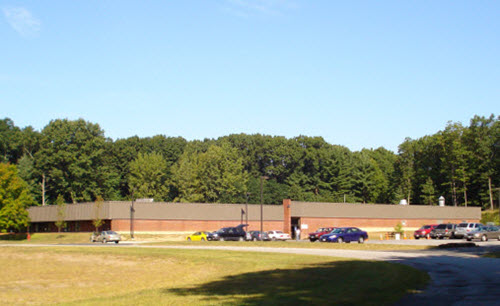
<point>295,224</point>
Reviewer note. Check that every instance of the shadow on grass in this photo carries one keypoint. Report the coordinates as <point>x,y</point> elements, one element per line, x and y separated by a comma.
<point>14,236</point>
<point>339,283</point>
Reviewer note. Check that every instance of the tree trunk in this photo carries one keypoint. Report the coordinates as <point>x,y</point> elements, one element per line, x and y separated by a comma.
<point>409,191</point>
<point>491,192</point>
<point>465,195</point>
<point>43,189</point>
<point>454,194</point>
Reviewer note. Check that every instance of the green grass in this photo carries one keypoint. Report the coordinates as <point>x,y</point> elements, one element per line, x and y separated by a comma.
<point>125,276</point>
<point>302,245</point>
<point>53,238</point>
<point>490,216</point>
<point>492,255</point>
<point>65,238</point>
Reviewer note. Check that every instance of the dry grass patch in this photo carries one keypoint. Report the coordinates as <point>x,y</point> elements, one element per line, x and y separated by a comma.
<point>125,276</point>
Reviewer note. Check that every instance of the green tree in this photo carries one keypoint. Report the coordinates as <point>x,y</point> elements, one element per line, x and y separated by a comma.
<point>428,193</point>
<point>97,221</point>
<point>61,213</point>
<point>72,158</point>
<point>214,176</point>
<point>14,199</point>
<point>148,177</point>
<point>10,141</point>
<point>454,161</point>
<point>483,140</point>
<point>405,165</point>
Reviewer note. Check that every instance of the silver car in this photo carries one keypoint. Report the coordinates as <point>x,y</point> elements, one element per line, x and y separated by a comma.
<point>105,236</point>
<point>484,233</point>
<point>466,227</point>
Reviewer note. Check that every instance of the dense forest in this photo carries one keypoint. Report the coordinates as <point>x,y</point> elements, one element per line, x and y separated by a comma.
<point>73,160</point>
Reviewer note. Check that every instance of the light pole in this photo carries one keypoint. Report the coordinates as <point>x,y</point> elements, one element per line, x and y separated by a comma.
<point>262,178</point>
<point>132,211</point>
<point>246,208</point>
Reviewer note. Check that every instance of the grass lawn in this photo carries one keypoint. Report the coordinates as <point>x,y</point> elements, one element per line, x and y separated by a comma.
<point>492,255</point>
<point>65,238</point>
<point>124,276</point>
<point>303,245</point>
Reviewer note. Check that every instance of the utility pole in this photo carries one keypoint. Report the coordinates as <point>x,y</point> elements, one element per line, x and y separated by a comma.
<point>262,178</point>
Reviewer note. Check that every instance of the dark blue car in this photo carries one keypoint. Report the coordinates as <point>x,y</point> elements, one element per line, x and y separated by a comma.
<point>345,234</point>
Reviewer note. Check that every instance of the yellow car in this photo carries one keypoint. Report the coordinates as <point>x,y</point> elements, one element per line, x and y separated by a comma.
<point>200,236</point>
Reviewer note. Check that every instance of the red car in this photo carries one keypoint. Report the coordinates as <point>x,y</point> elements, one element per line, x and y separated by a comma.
<point>424,231</point>
<point>320,232</point>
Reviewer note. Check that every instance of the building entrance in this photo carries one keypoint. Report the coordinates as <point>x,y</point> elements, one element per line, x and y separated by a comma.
<point>295,224</point>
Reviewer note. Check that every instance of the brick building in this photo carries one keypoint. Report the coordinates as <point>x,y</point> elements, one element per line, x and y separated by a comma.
<point>142,217</point>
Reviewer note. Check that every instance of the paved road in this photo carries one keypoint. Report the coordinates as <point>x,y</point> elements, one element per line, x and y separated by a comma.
<point>459,276</point>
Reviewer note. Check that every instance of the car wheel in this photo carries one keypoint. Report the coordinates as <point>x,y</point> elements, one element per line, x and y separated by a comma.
<point>361,240</point>
<point>104,241</point>
<point>117,241</point>
<point>468,239</point>
<point>340,240</point>
<point>416,238</point>
<point>484,238</point>
<point>274,239</point>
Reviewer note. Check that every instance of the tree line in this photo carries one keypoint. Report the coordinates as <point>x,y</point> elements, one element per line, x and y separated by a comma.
<point>73,160</point>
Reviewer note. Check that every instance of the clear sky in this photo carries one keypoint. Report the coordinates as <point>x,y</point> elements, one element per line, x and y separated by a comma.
<point>361,74</point>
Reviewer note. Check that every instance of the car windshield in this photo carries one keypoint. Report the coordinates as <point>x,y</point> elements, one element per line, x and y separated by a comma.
<point>112,233</point>
<point>426,227</point>
<point>441,226</point>
<point>462,225</point>
<point>338,231</point>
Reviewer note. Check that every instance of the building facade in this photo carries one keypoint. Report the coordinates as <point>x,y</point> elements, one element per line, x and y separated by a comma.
<point>142,217</point>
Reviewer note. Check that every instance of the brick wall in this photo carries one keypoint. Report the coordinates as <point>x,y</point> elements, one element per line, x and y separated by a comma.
<point>123,225</point>
<point>369,224</point>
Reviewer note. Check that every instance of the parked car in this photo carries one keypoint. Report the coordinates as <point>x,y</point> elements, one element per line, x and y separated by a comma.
<point>444,231</point>
<point>484,233</point>
<point>236,233</point>
<point>258,236</point>
<point>345,234</point>
<point>320,232</point>
<point>200,236</point>
<point>278,235</point>
<point>105,236</point>
<point>466,227</point>
<point>424,231</point>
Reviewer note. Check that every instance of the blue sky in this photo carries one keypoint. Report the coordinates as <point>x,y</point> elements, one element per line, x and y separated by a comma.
<point>361,74</point>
